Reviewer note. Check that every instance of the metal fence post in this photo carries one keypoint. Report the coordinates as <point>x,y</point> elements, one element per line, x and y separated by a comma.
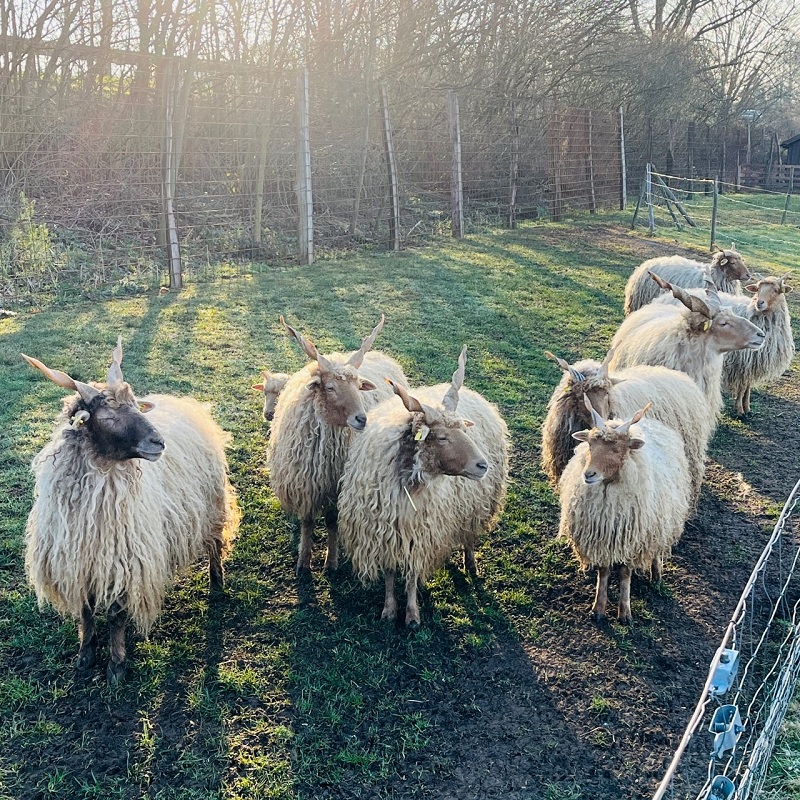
<point>394,195</point>
<point>305,202</point>
<point>714,212</point>
<point>456,189</point>
<point>169,180</point>
<point>648,182</point>
<point>623,176</point>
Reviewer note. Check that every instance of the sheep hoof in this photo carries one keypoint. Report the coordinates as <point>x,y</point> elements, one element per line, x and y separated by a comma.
<point>470,566</point>
<point>625,618</point>
<point>389,614</point>
<point>412,625</point>
<point>332,565</point>
<point>599,616</point>
<point>217,581</point>
<point>86,657</point>
<point>303,567</point>
<point>115,673</point>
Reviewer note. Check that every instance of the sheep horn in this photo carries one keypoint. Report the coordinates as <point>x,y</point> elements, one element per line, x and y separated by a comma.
<point>87,393</point>
<point>602,373</point>
<point>115,370</point>
<point>689,300</point>
<point>634,419</point>
<point>411,403</point>
<point>597,420</point>
<point>450,400</point>
<point>366,344</point>
<point>308,346</point>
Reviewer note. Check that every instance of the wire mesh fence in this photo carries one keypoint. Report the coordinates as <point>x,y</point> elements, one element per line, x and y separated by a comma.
<point>726,748</point>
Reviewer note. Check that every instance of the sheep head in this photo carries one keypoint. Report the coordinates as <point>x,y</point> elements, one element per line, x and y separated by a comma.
<point>594,384</point>
<point>731,264</point>
<point>438,439</point>
<point>610,443</point>
<point>336,387</point>
<point>271,386</point>
<point>107,417</point>
<point>768,291</point>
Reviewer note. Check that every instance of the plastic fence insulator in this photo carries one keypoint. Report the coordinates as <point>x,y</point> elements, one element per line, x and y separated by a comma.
<point>724,673</point>
<point>721,788</point>
<point>726,725</point>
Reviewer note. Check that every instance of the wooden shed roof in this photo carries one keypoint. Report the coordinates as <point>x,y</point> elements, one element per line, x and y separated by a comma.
<point>790,142</point>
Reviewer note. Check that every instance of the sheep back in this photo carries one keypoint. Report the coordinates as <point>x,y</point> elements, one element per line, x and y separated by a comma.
<point>379,527</point>
<point>119,531</point>
<point>633,519</point>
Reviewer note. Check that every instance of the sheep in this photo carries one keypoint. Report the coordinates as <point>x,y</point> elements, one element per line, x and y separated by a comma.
<point>677,402</point>
<point>122,502</point>
<point>317,411</point>
<point>420,482</point>
<point>271,386</point>
<point>768,310</point>
<point>625,498</point>
<point>691,339</point>
<point>726,270</point>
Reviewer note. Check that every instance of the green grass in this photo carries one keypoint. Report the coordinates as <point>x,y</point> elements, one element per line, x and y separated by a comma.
<point>283,689</point>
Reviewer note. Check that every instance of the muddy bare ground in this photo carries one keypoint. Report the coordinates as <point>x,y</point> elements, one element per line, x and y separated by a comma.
<point>568,710</point>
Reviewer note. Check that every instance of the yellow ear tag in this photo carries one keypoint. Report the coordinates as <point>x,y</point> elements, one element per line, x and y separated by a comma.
<point>418,436</point>
<point>706,325</point>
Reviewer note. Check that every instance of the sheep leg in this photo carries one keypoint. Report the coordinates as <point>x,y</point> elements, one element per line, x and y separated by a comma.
<point>739,405</point>
<point>117,663</point>
<point>601,595</point>
<point>412,607</point>
<point>390,600</point>
<point>746,400</point>
<point>216,572</point>
<point>655,570</point>
<point>469,560</point>
<point>332,556</point>
<point>88,638</point>
<point>306,537</point>
<point>625,595</point>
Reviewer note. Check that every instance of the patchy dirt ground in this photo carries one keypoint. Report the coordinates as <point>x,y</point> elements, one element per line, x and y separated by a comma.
<point>520,699</point>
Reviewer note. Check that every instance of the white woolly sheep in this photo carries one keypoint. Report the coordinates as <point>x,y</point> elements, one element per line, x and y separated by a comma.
<point>625,497</point>
<point>420,482</point>
<point>123,502</point>
<point>691,339</point>
<point>677,402</point>
<point>725,271</point>
<point>271,386</point>
<point>317,411</point>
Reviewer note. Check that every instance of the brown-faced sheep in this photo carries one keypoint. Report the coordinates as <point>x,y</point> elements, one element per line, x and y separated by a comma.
<point>271,386</point>
<point>692,339</point>
<point>421,481</point>
<point>123,502</point>
<point>316,414</point>
<point>677,402</point>
<point>625,497</point>
<point>725,271</point>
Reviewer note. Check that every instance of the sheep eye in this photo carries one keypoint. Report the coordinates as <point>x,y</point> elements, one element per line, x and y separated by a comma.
<point>329,388</point>
<point>441,438</point>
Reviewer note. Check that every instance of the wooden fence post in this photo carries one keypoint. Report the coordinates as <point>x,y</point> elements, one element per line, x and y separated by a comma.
<point>788,195</point>
<point>648,182</point>
<point>623,174</point>
<point>592,198</point>
<point>514,170</point>
<point>714,213</point>
<point>169,180</point>
<point>305,202</point>
<point>456,190</point>
<point>394,194</point>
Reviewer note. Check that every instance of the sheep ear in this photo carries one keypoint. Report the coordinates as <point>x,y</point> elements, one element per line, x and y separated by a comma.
<point>422,434</point>
<point>366,386</point>
<point>145,406</point>
<point>615,381</point>
<point>581,436</point>
<point>87,393</point>
<point>635,444</point>
<point>259,387</point>
<point>411,403</point>
<point>468,423</point>
<point>313,383</point>
<point>752,287</point>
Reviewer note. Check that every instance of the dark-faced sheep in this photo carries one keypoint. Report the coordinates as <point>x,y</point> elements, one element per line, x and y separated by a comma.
<point>692,338</point>
<point>271,386</point>
<point>316,414</point>
<point>676,400</point>
<point>725,271</point>
<point>625,497</point>
<point>122,502</point>
<point>427,476</point>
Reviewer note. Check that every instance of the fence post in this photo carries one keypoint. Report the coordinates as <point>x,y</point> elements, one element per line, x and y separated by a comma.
<point>261,174</point>
<point>554,145</point>
<point>788,195</point>
<point>714,213</point>
<point>592,199</point>
<point>394,195</point>
<point>305,203</point>
<point>456,191</point>
<point>169,180</point>
<point>623,174</point>
<point>514,170</point>
<point>648,182</point>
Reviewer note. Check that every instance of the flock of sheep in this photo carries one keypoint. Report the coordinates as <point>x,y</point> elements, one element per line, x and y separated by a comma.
<point>129,492</point>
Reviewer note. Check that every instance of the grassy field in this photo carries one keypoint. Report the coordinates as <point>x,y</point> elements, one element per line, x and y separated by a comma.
<point>294,689</point>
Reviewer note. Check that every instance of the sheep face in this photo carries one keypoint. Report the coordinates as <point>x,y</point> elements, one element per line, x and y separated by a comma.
<point>271,386</point>
<point>729,331</point>
<point>337,397</point>
<point>767,292</point>
<point>114,425</point>
<point>731,264</point>
<point>443,446</point>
